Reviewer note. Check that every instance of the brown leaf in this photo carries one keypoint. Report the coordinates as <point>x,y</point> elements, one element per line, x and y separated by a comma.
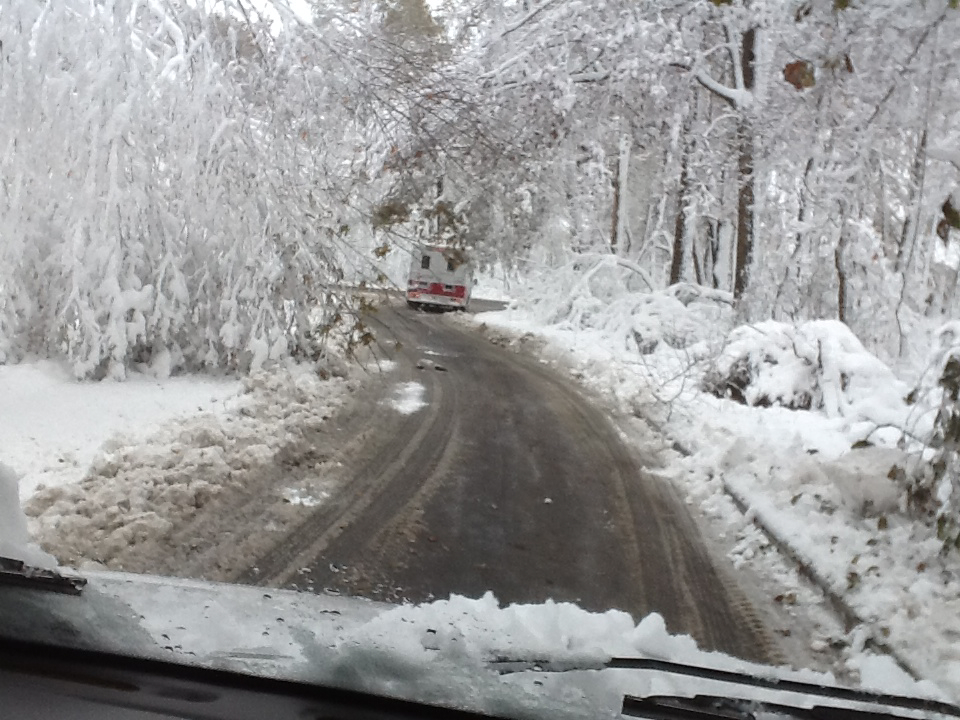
<point>800,74</point>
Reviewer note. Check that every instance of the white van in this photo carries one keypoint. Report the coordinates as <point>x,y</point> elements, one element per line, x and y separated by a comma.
<point>439,277</point>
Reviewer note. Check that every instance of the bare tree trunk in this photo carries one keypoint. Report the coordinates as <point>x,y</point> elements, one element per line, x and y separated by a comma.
<point>680,221</point>
<point>745,167</point>
<point>908,234</point>
<point>881,219</point>
<point>745,202</point>
<point>697,272</point>
<point>622,216</point>
<point>838,263</point>
<point>711,254</point>
<point>615,215</point>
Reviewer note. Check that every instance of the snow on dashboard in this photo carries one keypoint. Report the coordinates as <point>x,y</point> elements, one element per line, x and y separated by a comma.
<point>458,648</point>
<point>524,660</point>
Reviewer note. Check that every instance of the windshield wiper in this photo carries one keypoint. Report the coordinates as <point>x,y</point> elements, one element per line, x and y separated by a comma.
<point>18,573</point>
<point>703,707</point>
<point>712,707</point>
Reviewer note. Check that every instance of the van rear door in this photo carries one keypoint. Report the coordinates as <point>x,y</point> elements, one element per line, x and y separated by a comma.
<point>440,277</point>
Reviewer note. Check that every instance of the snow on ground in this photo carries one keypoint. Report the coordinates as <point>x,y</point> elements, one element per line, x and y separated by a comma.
<point>296,496</point>
<point>15,541</point>
<point>129,482</point>
<point>494,283</point>
<point>52,426</point>
<point>407,398</point>
<point>834,508</point>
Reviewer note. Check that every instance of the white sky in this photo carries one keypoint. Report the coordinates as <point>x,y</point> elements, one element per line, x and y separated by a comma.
<point>265,8</point>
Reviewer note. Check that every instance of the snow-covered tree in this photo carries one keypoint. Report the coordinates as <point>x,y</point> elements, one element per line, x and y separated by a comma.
<point>181,187</point>
<point>177,186</point>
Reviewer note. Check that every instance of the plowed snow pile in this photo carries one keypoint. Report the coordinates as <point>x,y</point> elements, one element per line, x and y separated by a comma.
<point>809,431</point>
<point>52,425</point>
<point>134,492</point>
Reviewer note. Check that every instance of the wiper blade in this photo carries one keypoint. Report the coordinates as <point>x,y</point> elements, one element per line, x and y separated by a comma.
<point>510,666</point>
<point>732,708</point>
<point>19,574</point>
<point>711,707</point>
<point>876,699</point>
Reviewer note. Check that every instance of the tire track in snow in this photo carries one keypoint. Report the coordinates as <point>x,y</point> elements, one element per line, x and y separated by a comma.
<point>281,565</point>
<point>510,480</point>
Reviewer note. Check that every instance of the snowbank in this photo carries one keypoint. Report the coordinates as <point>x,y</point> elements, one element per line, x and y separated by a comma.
<point>135,491</point>
<point>637,322</point>
<point>817,365</point>
<point>52,426</point>
<point>805,427</point>
<point>15,540</point>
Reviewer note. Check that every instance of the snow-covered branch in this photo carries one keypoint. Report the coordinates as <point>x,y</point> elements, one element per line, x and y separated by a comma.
<point>513,27</point>
<point>740,99</point>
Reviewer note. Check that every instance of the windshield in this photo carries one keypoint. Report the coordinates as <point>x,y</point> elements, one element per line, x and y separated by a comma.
<point>411,334</point>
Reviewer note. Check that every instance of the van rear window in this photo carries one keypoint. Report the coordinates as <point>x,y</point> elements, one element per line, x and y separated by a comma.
<point>425,262</point>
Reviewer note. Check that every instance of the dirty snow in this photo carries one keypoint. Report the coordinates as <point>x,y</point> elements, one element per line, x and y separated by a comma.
<point>296,496</point>
<point>833,507</point>
<point>407,398</point>
<point>52,425</point>
<point>135,490</point>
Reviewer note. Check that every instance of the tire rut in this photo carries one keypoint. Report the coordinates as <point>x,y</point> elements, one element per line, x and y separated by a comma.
<point>501,431</point>
<point>311,536</point>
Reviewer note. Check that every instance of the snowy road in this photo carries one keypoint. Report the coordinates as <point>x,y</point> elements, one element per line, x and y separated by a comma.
<point>502,477</point>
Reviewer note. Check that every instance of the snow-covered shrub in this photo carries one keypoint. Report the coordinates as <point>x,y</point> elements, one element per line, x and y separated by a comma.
<point>691,295</point>
<point>593,292</point>
<point>934,486</point>
<point>818,365</point>
<point>169,197</point>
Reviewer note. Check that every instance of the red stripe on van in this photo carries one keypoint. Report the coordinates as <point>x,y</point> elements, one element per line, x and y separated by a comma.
<point>455,291</point>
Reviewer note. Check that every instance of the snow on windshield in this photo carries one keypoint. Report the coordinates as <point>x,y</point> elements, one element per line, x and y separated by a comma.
<point>531,660</point>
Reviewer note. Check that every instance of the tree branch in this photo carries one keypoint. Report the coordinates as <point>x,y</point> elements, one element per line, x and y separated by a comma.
<point>735,59</point>
<point>740,99</point>
<point>527,18</point>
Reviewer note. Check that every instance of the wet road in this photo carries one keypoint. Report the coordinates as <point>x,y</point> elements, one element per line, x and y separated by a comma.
<point>508,480</point>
